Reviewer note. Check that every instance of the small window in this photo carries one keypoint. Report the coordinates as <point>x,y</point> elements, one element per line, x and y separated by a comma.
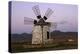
<point>47,35</point>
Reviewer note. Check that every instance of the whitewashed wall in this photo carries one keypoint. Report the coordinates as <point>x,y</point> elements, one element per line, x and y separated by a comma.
<point>37,35</point>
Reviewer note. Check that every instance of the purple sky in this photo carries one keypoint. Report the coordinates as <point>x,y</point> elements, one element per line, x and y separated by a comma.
<point>62,12</point>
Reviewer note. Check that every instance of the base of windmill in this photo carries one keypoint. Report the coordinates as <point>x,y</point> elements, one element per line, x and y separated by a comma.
<point>41,35</point>
<point>48,43</point>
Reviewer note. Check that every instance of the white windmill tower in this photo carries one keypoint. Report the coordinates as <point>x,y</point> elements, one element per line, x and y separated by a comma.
<point>41,28</point>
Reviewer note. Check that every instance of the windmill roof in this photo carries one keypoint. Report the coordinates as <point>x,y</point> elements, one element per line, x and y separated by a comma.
<point>42,22</point>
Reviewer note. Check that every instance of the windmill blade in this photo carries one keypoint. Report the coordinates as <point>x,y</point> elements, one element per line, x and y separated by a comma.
<point>62,22</point>
<point>37,11</point>
<point>48,13</point>
<point>53,24</point>
<point>28,21</point>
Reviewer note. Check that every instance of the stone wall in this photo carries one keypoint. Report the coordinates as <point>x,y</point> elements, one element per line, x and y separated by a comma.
<point>39,34</point>
<point>45,30</point>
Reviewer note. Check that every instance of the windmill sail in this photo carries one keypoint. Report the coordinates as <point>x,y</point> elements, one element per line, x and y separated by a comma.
<point>55,24</point>
<point>48,13</point>
<point>28,21</point>
<point>37,11</point>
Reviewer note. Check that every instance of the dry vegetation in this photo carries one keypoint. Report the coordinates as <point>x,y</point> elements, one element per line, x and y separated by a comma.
<point>68,41</point>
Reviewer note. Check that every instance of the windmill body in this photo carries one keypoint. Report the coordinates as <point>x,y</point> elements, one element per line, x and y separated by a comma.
<point>40,32</point>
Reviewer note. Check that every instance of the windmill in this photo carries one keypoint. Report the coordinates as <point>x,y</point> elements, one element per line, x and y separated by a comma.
<point>41,29</point>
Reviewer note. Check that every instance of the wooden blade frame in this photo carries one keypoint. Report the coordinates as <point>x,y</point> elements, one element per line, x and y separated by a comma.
<point>48,13</point>
<point>28,21</point>
<point>37,11</point>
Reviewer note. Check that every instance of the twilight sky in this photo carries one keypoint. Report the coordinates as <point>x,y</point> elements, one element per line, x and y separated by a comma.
<point>62,12</point>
